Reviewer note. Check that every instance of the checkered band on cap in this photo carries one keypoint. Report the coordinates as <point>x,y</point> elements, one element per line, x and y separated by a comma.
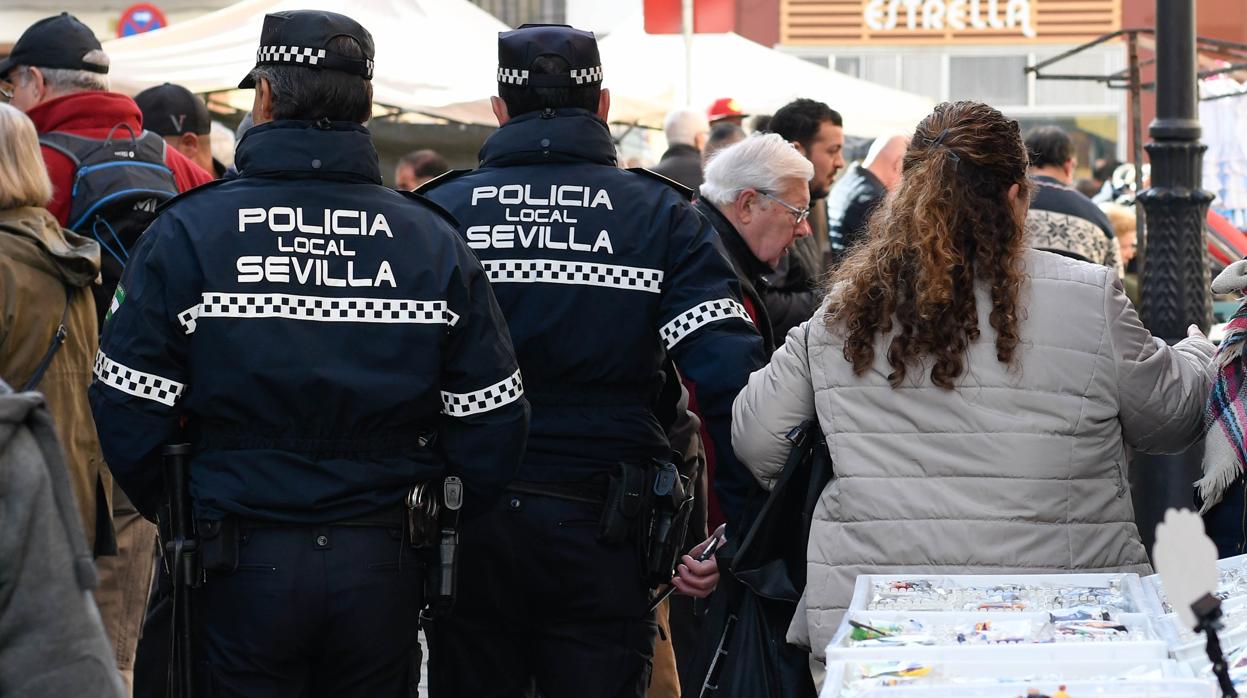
<point>555,271</point>
<point>699,316</point>
<point>584,76</point>
<point>289,54</point>
<point>137,383</point>
<point>512,76</point>
<point>504,392</point>
<point>318,308</point>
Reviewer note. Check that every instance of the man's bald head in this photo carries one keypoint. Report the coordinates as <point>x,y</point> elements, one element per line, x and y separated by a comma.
<point>884,159</point>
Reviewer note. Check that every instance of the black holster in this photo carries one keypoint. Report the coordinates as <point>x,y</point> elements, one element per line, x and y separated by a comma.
<point>433,528</point>
<point>649,504</point>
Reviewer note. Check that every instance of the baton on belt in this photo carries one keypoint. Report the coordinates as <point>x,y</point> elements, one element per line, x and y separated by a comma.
<point>181,553</point>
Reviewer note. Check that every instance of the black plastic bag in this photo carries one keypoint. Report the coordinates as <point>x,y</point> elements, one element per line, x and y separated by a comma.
<point>746,654</point>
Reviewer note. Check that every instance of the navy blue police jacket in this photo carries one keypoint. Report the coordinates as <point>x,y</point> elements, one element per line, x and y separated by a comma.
<point>601,272</point>
<point>323,341</point>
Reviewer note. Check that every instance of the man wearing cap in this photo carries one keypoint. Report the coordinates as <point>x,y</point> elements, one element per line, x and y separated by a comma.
<point>181,118</point>
<point>726,110</point>
<point>59,74</point>
<point>603,274</point>
<point>329,344</point>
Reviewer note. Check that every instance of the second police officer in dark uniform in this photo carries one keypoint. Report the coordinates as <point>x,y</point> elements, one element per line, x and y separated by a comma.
<point>328,343</point>
<point>602,273</point>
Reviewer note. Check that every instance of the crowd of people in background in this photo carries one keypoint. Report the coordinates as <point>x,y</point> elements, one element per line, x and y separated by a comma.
<point>953,310</point>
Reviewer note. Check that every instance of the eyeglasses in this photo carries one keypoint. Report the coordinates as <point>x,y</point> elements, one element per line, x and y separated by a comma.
<point>6,93</point>
<point>799,213</point>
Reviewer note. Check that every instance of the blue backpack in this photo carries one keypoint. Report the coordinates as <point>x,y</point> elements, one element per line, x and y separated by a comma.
<point>119,182</point>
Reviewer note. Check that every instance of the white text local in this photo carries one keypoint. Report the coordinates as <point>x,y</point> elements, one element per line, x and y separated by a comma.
<point>317,272</point>
<point>505,235</point>
<point>284,219</point>
<point>884,15</point>
<point>566,195</point>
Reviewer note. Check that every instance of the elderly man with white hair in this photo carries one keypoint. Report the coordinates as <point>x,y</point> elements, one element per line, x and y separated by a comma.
<point>687,131</point>
<point>757,196</point>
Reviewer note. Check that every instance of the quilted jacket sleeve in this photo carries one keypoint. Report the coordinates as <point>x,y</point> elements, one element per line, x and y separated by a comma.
<point>1161,389</point>
<point>777,398</point>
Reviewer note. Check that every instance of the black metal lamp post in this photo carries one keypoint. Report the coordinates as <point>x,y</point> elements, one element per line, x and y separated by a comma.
<point>1174,272</point>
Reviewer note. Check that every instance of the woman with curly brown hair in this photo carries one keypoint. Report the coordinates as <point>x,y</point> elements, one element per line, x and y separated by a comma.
<point>977,396</point>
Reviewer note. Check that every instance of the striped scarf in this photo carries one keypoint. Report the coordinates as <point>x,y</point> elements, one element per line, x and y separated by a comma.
<point>1225,416</point>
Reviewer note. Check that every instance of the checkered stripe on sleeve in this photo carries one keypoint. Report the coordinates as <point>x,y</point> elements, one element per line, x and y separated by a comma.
<point>504,392</point>
<point>587,75</point>
<point>512,76</point>
<point>699,316</point>
<point>289,54</point>
<point>318,308</point>
<point>554,271</point>
<point>137,383</point>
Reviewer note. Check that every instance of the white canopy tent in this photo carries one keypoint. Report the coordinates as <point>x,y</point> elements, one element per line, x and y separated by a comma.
<point>439,58</point>
<point>429,53</point>
<point>760,79</point>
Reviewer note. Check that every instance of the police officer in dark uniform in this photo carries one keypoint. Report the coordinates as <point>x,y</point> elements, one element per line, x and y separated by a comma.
<point>602,274</point>
<point>328,344</point>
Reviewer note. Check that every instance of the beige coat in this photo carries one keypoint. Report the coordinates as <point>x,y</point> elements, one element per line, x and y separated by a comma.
<point>38,262</point>
<point>1019,470</point>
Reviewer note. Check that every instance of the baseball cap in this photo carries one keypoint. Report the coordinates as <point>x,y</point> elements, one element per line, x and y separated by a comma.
<point>171,110</point>
<point>301,37</point>
<point>724,108</point>
<point>517,49</point>
<point>54,42</point>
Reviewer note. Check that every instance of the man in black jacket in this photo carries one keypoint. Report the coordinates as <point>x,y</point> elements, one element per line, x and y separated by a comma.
<point>687,131</point>
<point>602,274</point>
<point>817,131</point>
<point>757,197</point>
<point>860,190</point>
<point>326,343</point>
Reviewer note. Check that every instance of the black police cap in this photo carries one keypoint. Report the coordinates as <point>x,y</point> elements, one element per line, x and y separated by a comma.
<point>301,37</point>
<point>518,49</point>
<point>54,42</point>
<point>171,110</point>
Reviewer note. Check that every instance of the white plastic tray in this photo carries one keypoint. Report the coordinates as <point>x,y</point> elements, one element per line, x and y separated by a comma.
<point>1146,646</point>
<point>1155,590</point>
<point>988,672</point>
<point>1173,688</point>
<point>1129,583</point>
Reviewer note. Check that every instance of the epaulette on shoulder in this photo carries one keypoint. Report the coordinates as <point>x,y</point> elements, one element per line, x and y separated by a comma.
<point>191,192</point>
<point>432,205</point>
<point>440,180</point>
<point>683,190</point>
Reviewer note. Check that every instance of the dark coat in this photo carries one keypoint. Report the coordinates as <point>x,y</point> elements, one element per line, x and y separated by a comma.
<point>602,273</point>
<point>330,342</point>
<point>750,271</point>
<point>849,205</point>
<point>681,163</point>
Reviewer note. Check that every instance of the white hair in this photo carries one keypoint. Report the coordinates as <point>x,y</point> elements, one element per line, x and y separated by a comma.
<point>761,161</point>
<point>63,81</point>
<point>684,125</point>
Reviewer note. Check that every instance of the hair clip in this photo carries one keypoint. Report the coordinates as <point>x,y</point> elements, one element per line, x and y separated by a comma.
<point>939,141</point>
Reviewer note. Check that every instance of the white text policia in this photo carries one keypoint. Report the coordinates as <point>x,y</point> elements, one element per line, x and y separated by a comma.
<point>539,208</point>
<point>318,272</point>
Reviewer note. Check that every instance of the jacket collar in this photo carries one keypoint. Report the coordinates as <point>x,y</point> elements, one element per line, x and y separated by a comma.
<point>334,150</point>
<point>56,251</point>
<point>752,267</point>
<point>681,150</point>
<point>91,110</point>
<point>548,136</point>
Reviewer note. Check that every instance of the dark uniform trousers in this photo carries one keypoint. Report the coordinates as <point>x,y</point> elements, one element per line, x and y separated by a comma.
<point>314,610</point>
<point>575,618</point>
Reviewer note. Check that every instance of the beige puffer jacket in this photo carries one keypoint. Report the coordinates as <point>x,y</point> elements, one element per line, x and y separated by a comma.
<point>1016,471</point>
